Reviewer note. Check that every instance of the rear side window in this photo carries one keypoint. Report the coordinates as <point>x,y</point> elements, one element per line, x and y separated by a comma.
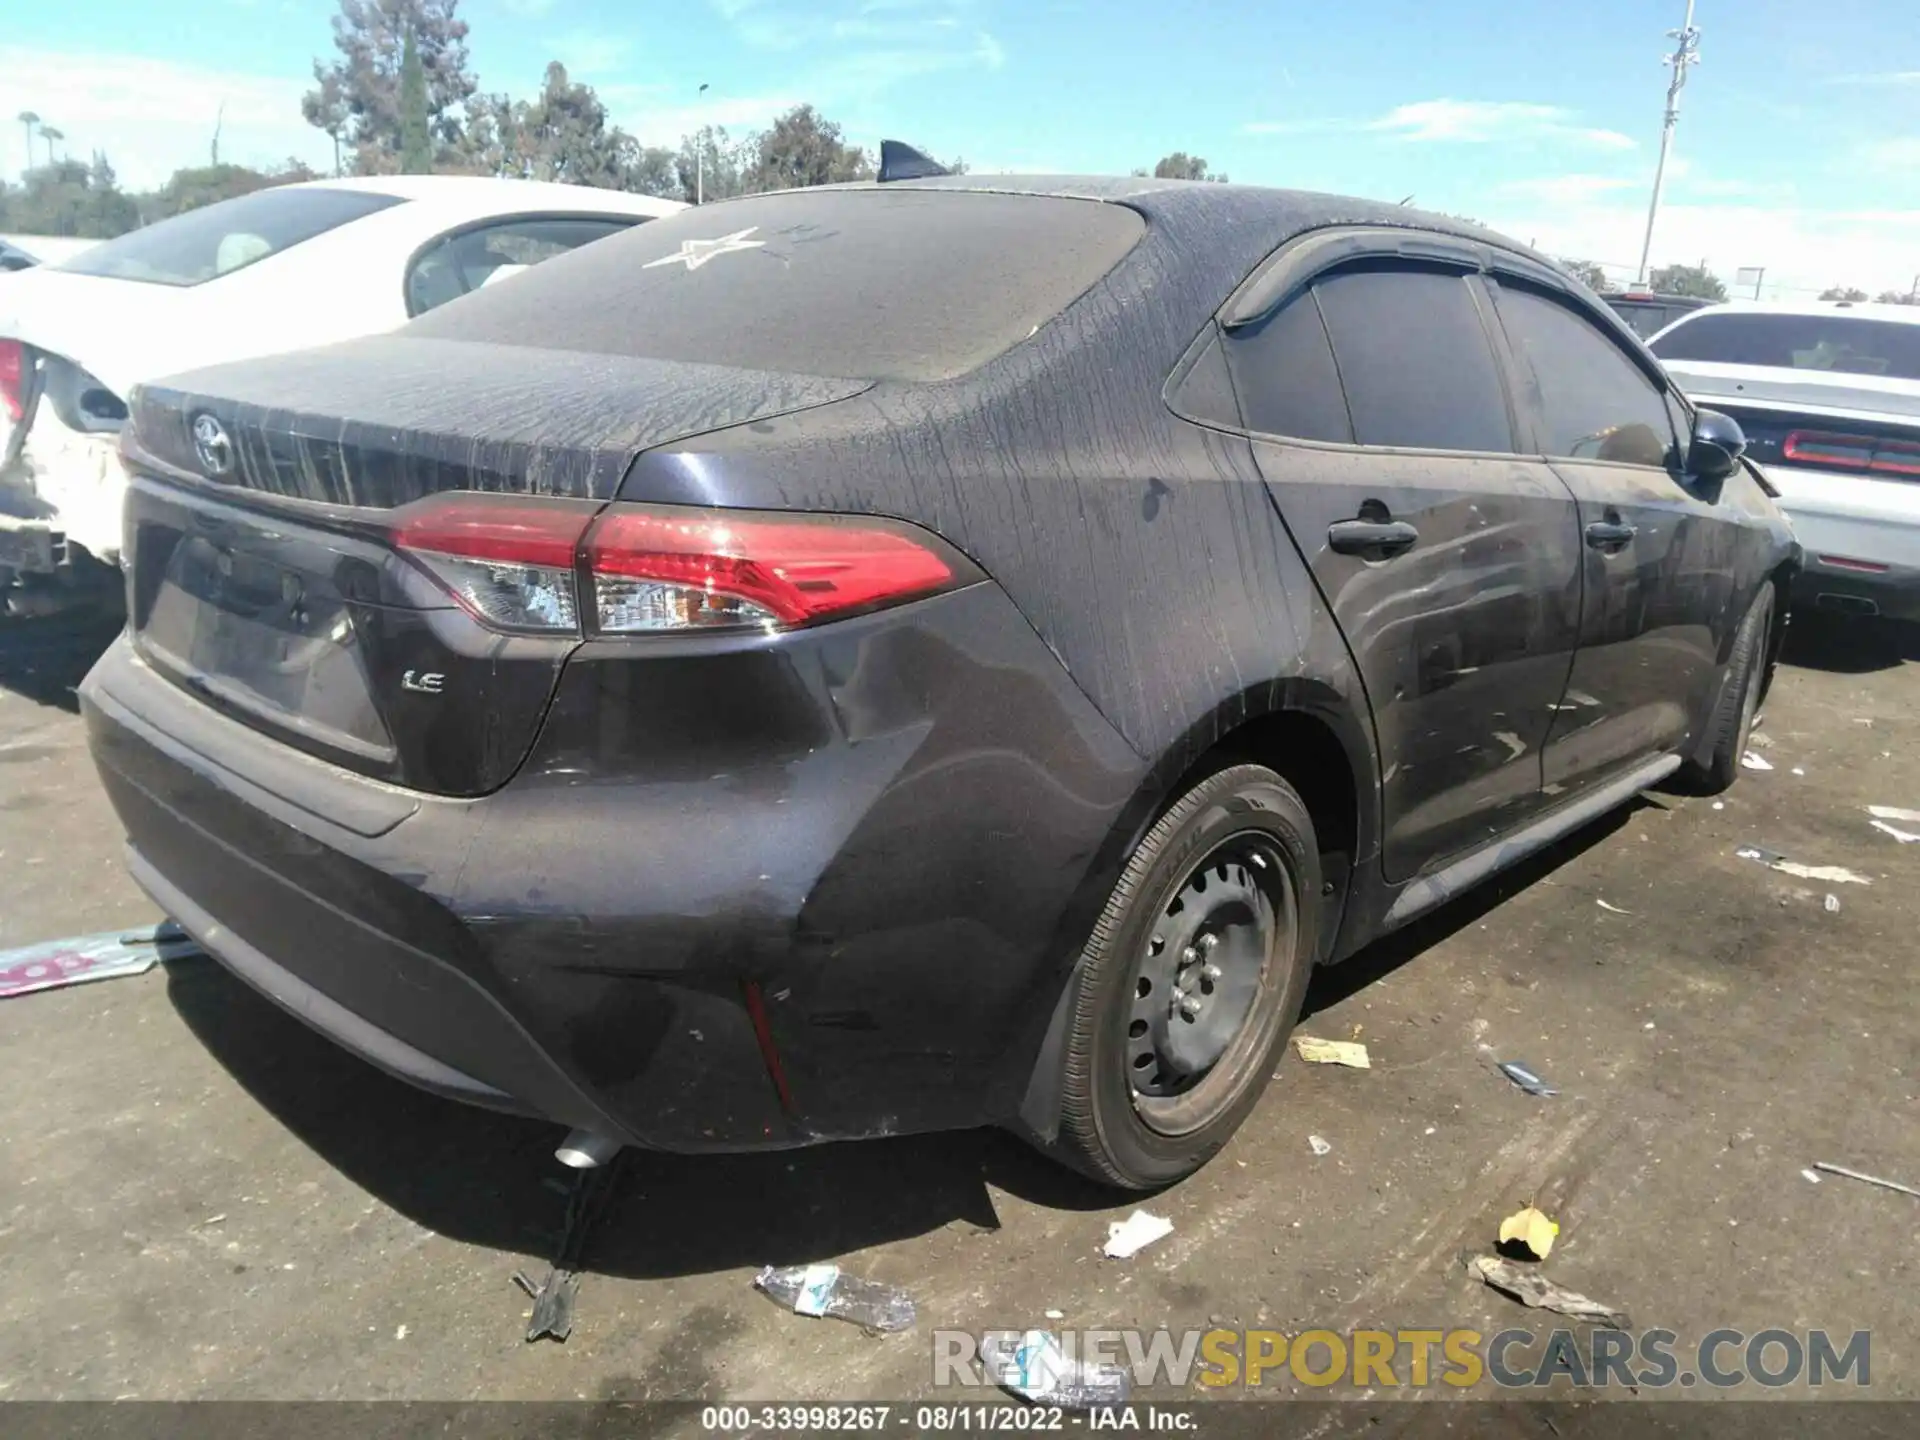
<point>202,245</point>
<point>1839,342</point>
<point>1414,360</point>
<point>1284,373</point>
<point>1593,402</point>
<point>458,264</point>
<point>867,284</point>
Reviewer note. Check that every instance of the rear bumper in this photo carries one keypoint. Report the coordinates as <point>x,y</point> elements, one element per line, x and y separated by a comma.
<point>1861,539</point>
<point>882,831</point>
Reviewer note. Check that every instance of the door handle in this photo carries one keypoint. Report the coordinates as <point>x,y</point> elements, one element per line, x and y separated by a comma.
<point>1372,539</point>
<point>1610,534</point>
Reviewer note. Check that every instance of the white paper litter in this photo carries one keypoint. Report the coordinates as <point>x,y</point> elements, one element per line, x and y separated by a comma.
<point>1832,904</point>
<point>1894,812</point>
<point>1811,1176</point>
<point>1751,761</point>
<point>1320,1146</point>
<point>1905,837</point>
<point>1612,909</point>
<point>1127,1238</point>
<point>83,958</point>
<point>1834,874</point>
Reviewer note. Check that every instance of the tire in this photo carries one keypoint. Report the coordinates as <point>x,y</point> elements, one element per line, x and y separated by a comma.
<point>1153,995</point>
<point>1732,720</point>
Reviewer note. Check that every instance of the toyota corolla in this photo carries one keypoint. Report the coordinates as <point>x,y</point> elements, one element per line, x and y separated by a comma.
<point>943,652</point>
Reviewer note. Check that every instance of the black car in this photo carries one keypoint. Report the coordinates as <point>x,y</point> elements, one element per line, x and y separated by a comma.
<point>1648,314</point>
<point>916,655</point>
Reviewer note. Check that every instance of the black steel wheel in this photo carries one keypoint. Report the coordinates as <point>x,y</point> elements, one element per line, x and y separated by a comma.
<point>1194,974</point>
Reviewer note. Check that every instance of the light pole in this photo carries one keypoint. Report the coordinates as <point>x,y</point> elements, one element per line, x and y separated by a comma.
<point>700,160</point>
<point>1686,53</point>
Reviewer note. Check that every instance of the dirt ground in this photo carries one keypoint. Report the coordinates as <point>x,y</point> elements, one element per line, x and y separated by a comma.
<point>199,1198</point>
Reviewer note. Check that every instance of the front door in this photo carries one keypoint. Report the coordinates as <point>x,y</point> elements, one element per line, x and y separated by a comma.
<point>1452,564</point>
<point>1661,557</point>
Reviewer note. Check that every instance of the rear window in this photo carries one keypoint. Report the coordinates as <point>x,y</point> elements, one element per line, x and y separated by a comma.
<point>202,245</point>
<point>863,284</point>
<point>1846,344</point>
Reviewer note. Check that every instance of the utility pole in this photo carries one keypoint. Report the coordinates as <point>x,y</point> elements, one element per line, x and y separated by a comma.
<point>700,159</point>
<point>1685,53</point>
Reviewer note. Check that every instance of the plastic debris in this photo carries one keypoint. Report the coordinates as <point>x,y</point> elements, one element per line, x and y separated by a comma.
<point>1842,1170</point>
<point>1894,812</point>
<point>553,1297</point>
<point>1035,1367</point>
<point>1751,761</point>
<point>1056,1314</point>
<point>1612,909</point>
<point>1319,1145</point>
<point>83,958</point>
<point>1127,1238</point>
<point>1530,1287</point>
<point>1832,904</point>
<point>1796,771</point>
<point>1529,1230</point>
<point>1905,837</point>
<point>1526,1078</point>
<point>1332,1052</point>
<point>1774,860</point>
<point>1719,804</point>
<point>826,1290</point>
<point>1810,1176</point>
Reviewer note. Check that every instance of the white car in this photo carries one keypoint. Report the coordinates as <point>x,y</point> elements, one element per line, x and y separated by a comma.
<point>1829,396</point>
<point>277,270</point>
<point>23,252</point>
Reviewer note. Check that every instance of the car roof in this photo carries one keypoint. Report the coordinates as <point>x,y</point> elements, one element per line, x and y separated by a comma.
<point>485,194</point>
<point>1865,309</point>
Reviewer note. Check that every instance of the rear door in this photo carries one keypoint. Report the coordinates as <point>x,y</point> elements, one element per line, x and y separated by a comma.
<point>1660,555</point>
<point>1382,425</point>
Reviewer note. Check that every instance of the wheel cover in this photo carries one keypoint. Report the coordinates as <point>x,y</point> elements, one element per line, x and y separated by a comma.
<point>1207,977</point>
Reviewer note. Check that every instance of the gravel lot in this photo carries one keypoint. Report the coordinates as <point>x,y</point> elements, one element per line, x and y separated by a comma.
<point>227,1206</point>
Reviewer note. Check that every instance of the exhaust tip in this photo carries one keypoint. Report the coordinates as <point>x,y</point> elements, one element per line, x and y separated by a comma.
<point>584,1150</point>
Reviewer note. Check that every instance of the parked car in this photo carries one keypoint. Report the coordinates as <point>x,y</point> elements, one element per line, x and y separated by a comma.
<point>873,659</point>
<point>23,252</point>
<point>1829,396</point>
<point>1648,314</point>
<point>276,270</point>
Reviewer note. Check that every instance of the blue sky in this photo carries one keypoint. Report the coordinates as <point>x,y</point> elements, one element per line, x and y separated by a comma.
<point>1798,149</point>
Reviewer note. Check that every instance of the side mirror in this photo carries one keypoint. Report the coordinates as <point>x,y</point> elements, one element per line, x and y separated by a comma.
<point>1714,451</point>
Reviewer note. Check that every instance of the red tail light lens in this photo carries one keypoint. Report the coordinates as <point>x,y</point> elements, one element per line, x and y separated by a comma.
<point>13,378</point>
<point>1852,452</point>
<point>667,569</point>
<point>516,564</point>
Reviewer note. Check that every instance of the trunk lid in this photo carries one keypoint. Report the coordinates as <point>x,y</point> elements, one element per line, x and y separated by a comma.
<point>1720,386</point>
<point>262,576</point>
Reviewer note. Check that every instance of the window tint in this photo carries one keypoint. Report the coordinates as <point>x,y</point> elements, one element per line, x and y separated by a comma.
<point>457,264</point>
<point>1849,344</point>
<point>1594,403</point>
<point>219,239</point>
<point>871,284</point>
<point>1283,370</point>
<point>1414,360</point>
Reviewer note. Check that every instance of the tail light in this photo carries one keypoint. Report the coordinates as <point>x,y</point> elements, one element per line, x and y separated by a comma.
<point>13,379</point>
<point>542,566</point>
<point>1852,452</point>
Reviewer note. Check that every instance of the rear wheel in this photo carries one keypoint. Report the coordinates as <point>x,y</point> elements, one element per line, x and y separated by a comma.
<point>1194,975</point>
<point>1732,720</point>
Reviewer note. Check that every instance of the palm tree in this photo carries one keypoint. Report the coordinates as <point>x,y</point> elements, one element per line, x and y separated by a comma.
<point>28,119</point>
<point>49,134</point>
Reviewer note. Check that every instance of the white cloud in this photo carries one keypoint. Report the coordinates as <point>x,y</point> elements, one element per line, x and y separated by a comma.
<point>1568,189</point>
<point>152,117</point>
<point>1803,250</point>
<point>1483,121</point>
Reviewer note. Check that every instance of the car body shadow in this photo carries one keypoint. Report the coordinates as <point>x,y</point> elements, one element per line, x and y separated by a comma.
<point>1848,645</point>
<point>489,1179</point>
<point>1335,983</point>
<point>46,658</point>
